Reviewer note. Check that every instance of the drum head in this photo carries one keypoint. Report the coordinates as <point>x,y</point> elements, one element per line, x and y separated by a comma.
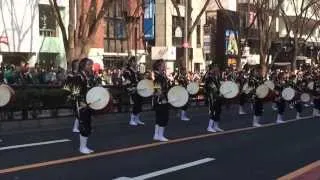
<point>193,88</point>
<point>310,85</point>
<point>5,95</point>
<point>145,88</point>
<point>229,89</point>
<point>178,96</point>
<point>262,91</point>
<point>305,97</point>
<point>98,98</point>
<point>246,89</point>
<point>270,85</point>
<point>288,94</point>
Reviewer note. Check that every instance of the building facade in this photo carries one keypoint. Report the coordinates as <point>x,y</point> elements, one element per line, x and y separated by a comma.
<point>169,35</point>
<point>29,32</point>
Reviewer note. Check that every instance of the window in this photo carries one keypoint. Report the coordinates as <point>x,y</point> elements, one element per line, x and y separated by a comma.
<point>180,2</point>
<point>177,30</point>
<point>47,21</point>
<point>198,35</point>
<point>115,37</point>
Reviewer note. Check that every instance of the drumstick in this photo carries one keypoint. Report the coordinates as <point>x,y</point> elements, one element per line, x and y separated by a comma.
<point>95,101</point>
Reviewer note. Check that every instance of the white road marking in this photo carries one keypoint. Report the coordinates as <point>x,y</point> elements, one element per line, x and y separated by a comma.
<point>169,170</point>
<point>34,144</point>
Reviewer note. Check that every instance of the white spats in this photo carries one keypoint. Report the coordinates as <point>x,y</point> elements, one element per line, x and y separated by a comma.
<point>76,126</point>
<point>133,120</point>
<point>184,116</point>
<point>156,133</point>
<point>256,121</point>
<point>217,127</point>
<point>298,116</point>
<point>274,107</point>
<point>138,121</point>
<point>83,146</point>
<point>241,110</point>
<point>210,126</point>
<point>161,134</point>
<point>280,119</point>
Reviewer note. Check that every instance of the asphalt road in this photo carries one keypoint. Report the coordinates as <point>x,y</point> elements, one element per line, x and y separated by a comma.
<point>241,152</point>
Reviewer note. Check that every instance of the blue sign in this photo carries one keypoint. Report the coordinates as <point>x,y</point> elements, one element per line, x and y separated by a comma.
<point>149,14</point>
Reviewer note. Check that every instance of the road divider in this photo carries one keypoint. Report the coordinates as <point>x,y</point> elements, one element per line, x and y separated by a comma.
<point>34,144</point>
<point>168,170</point>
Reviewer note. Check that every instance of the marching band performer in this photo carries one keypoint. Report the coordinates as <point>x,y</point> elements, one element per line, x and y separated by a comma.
<point>182,80</point>
<point>160,100</point>
<point>316,95</point>
<point>280,84</point>
<point>212,85</point>
<point>131,77</point>
<point>71,81</point>
<point>256,79</point>
<point>241,80</point>
<point>86,83</point>
<point>300,86</point>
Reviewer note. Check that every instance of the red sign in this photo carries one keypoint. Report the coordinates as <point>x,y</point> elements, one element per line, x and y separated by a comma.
<point>185,45</point>
<point>4,39</point>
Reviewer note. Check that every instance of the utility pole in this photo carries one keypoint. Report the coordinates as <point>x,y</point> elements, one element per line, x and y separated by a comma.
<point>185,43</point>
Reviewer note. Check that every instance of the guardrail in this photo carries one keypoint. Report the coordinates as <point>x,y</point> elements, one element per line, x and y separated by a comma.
<point>43,101</point>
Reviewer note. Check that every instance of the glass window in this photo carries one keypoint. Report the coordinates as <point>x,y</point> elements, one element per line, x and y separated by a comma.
<point>115,28</point>
<point>199,35</point>
<point>47,21</point>
<point>177,30</point>
<point>180,2</point>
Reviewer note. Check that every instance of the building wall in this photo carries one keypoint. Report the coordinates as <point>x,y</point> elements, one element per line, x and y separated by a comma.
<point>19,23</point>
<point>164,25</point>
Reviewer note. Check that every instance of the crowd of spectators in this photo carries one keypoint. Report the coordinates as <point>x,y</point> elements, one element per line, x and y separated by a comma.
<point>52,75</point>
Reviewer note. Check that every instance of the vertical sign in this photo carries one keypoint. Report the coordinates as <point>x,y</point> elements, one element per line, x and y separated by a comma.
<point>149,19</point>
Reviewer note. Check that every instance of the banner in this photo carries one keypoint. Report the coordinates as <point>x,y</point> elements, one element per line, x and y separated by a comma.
<point>149,19</point>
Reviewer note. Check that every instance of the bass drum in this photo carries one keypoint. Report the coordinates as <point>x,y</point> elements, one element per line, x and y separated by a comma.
<point>305,97</point>
<point>288,94</point>
<point>98,98</point>
<point>229,89</point>
<point>145,88</point>
<point>178,96</point>
<point>262,91</point>
<point>193,88</point>
<point>270,85</point>
<point>6,95</point>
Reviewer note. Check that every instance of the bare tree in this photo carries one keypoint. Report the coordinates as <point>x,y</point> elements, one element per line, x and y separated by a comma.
<point>85,16</point>
<point>191,25</point>
<point>301,23</point>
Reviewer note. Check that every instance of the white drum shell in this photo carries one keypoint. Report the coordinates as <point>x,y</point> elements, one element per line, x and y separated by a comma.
<point>178,96</point>
<point>288,94</point>
<point>229,89</point>
<point>145,88</point>
<point>262,91</point>
<point>193,88</point>
<point>98,98</point>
